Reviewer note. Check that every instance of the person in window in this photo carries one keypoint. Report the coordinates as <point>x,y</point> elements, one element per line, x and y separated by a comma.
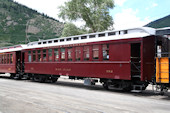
<point>105,55</point>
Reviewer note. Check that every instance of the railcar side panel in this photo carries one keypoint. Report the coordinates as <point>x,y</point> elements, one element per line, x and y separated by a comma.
<point>8,64</point>
<point>113,70</point>
<point>7,68</point>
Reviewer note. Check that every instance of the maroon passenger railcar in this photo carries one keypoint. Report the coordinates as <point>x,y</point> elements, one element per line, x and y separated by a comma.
<point>10,60</point>
<point>122,59</point>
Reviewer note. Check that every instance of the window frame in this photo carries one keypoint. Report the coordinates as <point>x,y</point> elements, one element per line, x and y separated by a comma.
<point>106,57</point>
<point>44,53</point>
<point>50,53</point>
<point>86,51</point>
<point>70,56</point>
<point>63,54</point>
<point>29,56</point>
<point>34,56</point>
<point>56,57</point>
<point>39,56</point>
<point>95,50</point>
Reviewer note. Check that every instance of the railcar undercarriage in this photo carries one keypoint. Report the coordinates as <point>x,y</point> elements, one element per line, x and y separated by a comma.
<point>125,85</point>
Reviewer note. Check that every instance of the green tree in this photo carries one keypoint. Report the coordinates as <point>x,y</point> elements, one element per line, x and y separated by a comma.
<point>70,30</point>
<point>95,13</point>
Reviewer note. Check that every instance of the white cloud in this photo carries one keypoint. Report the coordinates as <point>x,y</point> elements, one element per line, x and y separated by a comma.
<point>128,19</point>
<point>49,7</point>
<point>154,4</point>
<point>151,6</point>
<point>119,2</point>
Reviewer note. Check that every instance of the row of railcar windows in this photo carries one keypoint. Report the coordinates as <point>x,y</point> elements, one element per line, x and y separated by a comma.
<point>85,37</point>
<point>6,59</point>
<point>70,54</point>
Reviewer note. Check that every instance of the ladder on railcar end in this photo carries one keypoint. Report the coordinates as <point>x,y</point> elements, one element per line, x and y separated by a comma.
<point>136,67</point>
<point>136,61</point>
<point>136,74</point>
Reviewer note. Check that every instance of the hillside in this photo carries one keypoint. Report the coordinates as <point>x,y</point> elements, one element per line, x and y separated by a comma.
<point>160,23</point>
<point>18,21</point>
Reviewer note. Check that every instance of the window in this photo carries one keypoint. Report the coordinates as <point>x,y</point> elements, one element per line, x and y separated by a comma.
<point>95,51</point>
<point>105,49</point>
<point>92,36</point>
<point>11,58</point>
<point>44,55</point>
<point>68,39</point>
<point>102,35</point>
<point>50,55</point>
<point>39,56</point>
<point>44,42</point>
<point>111,33</point>
<point>29,56</point>
<point>0,59</point>
<point>4,59</point>
<point>56,54</point>
<point>76,38</point>
<point>62,54</point>
<point>69,52</point>
<point>7,58</point>
<point>62,40</point>
<point>78,53</point>
<point>86,53</point>
<point>49,42</point>
<point>125,31</point>
<point>55,41</point>
<point>34,56</point>
<point>84,37</point>
<point>39,43</point>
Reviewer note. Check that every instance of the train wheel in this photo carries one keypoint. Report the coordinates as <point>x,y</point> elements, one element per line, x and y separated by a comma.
<point>105,86</point>
<point>42,79</point>
<point>33,79</point>
<point>53,80</point>
<point>12,76</point>
<point>127,89</point>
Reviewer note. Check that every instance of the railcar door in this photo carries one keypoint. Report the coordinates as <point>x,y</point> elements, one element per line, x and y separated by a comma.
<point>18,61</point>
<point>136,61</point>
<point>22,62</point>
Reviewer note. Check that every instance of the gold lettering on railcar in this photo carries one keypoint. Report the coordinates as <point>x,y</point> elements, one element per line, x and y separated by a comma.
<point>58,69</point>
<point>9,69</point>
<point>63,69</point>
<point>109,71</point>
<point>72,45</point>
<point>32,68</point>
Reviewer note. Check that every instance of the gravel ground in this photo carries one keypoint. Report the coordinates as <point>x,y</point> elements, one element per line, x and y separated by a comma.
<point>65,96</point>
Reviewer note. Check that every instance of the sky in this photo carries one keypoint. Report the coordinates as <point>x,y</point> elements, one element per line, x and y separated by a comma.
<point>126,13</point>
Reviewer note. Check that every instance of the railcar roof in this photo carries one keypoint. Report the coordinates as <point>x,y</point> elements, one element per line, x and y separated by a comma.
<point>12,48</point>
<point>94,37</point>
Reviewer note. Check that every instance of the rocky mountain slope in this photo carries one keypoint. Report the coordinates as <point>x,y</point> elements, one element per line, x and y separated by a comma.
<point>18,22</point>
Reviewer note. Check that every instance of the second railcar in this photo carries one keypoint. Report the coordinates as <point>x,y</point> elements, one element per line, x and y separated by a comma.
<point>11,61</point>
<point>123,59</point>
